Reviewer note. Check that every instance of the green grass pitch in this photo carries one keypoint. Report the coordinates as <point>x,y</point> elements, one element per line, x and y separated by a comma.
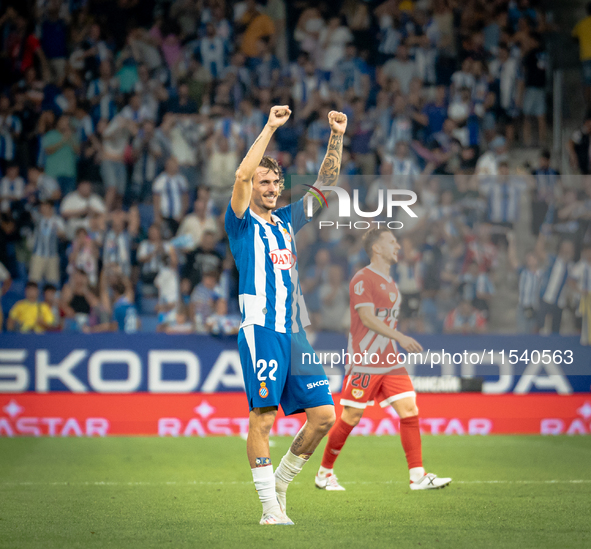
<point>191,492</point>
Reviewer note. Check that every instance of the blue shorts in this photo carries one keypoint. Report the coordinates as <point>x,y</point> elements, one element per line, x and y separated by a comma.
<point>114,175</point>
<point>271,376</point>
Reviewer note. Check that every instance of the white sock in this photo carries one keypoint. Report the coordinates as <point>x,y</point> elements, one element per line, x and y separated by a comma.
<point>289,467</point>
<point>416,473</point>
<point>323,471</point>
<point>264,483</point>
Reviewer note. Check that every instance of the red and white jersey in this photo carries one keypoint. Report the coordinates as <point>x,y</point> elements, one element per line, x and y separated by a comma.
<point>371,288</point>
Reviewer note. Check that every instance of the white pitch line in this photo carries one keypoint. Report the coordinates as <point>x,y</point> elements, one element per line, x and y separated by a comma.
<point>222,483</point>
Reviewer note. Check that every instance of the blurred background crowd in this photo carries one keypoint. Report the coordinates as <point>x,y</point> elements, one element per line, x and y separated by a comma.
<point>122,123</point>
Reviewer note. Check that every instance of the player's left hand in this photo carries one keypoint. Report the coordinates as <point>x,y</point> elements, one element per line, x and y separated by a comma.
<point>338,122</point>
<point>409,344</point>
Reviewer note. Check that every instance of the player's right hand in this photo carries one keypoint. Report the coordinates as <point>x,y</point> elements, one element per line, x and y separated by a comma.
<point>278,116</point>
<point>409,344</point>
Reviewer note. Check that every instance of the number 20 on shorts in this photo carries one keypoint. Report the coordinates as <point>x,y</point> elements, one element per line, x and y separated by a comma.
<point>360,380</point>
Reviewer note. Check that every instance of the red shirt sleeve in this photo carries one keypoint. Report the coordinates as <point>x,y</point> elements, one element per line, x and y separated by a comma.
<point>32,44</point>
<point>480,321</point>
<point>449,320</point>
<point>361,292</point>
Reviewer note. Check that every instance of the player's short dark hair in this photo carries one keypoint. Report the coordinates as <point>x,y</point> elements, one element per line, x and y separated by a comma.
<point>31,284</point>
<point>272,164</point>
<point>370,238</point>
<point>49,288</point>
<point>119,288</point>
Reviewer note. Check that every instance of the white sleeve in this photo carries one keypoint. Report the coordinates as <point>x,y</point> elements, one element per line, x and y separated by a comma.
<point>141,251</point>
<point>67,204</point>
<point>575,271</point>
<point>96,203</point>
<point>61,225</point>
<point>4,274</point>
<point>113,127</point>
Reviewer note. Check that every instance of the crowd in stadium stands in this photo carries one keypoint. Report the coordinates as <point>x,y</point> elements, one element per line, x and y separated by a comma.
<point>122,124</point>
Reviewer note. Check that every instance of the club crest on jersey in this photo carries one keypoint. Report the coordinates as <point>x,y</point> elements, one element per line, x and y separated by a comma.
<point>285,233</point>
<point>393,297</point>
<point>357,393</point>
<point>282,259</point>
<point>263,391</point>
<point>358,288</point>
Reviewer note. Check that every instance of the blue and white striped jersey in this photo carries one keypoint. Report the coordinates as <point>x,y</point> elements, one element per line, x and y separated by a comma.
<point>11,190</point>
<point>405,172</point>
<point>555,279</point>
<point>546,183</point>
<point>400,130</point>
<point>10,127</point>
<point>46,187</point>
<point>269,289</point>
<point>84,128</point>
<point>504,198</point>
<point>472,286</point>
<point>117,249</point>
<point>47,232</point>
<point>529,287</point>
<point>171,189</point>
<point>6,146</point>
<point>213,53</point>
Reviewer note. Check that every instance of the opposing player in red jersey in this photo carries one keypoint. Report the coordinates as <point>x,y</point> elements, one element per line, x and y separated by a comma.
<point>374,373</point>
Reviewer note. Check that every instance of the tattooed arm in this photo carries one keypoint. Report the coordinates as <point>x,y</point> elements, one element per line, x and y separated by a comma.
<point>331,165</point>
<point>245,172</point>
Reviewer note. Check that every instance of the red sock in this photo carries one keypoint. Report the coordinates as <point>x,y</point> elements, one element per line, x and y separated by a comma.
<point>410,436</point>
<point>336,440</point>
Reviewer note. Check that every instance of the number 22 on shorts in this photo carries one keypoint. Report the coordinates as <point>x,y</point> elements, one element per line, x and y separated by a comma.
<point>261,367</point>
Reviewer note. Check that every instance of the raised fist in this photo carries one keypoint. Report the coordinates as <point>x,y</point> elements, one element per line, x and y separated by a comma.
<point>278,116</point>
<point>338,122</point>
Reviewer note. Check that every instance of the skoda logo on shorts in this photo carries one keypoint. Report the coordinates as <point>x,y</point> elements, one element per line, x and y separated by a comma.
<point>282,259</point>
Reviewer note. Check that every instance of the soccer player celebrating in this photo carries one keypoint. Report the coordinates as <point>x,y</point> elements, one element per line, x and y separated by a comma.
<point>374,373</point>
<point>262,241</point>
